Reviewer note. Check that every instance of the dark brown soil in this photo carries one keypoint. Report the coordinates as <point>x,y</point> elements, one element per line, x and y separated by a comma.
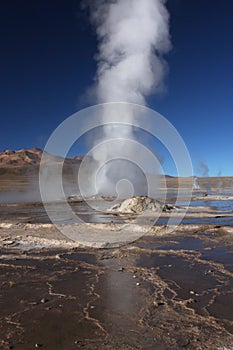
<point>158,293</point>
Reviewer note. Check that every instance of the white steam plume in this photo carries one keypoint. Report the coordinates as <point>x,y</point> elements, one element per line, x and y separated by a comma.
<point>133,35</point>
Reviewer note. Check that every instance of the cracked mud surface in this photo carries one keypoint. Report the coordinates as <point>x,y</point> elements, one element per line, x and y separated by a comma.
<point>173,292</point>
<point>164,291</point>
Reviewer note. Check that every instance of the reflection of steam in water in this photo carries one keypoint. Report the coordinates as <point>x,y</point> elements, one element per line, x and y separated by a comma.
<point>23,196</point>
<point>122,296</point>
<point>219,186</point>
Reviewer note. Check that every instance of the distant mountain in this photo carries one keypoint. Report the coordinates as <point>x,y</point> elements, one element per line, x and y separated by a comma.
<point>31,157</point>
<point>20,158</point>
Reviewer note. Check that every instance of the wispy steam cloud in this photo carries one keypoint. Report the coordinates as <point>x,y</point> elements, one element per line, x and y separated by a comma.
<point>203,168</point>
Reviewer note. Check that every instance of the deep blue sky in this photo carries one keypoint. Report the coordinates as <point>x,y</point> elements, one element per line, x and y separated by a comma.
<point>47,64</point>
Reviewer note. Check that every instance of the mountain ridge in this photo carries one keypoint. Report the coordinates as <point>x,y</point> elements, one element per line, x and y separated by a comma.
<point>31,157</point>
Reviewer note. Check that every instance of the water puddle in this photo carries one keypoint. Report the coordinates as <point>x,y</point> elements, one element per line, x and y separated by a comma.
<point>209,251</point>
<point>196,283</point>
<point>218,220</point>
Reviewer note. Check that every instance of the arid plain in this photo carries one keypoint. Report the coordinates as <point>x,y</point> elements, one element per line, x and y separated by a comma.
<point>169,289</point>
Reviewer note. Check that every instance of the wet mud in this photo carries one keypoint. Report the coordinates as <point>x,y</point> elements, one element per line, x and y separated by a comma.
<point>167,291</point>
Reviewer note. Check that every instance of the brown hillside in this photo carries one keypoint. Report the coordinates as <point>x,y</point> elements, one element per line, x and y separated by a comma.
<point>28,157</point>
<point>20,158</point>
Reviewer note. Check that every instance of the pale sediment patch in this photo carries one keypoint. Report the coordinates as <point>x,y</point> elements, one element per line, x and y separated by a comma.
<point>35,236</point>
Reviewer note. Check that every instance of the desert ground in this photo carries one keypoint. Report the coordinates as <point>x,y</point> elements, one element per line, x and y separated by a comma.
<point>165,290</point>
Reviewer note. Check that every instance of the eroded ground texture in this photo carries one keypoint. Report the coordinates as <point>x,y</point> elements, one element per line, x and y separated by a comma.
<point>164,291</point>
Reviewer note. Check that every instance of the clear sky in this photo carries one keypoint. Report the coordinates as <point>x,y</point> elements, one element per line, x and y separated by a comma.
<point>47,50</point>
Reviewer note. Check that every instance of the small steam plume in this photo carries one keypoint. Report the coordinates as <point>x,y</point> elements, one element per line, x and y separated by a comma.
<point>195,183</point>
<point>203,169</point>
<point>219,182</point>
<point>133,36</point>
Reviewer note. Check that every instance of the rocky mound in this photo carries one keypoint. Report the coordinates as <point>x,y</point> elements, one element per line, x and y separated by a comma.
<point>137,205</point>
<point>140,204</point>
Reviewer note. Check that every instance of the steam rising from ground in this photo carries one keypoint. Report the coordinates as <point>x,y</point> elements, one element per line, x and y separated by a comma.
<point>133,35</point>
<point>203,168</point>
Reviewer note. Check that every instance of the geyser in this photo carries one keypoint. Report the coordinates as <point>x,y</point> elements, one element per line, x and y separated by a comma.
<point>133,36</point>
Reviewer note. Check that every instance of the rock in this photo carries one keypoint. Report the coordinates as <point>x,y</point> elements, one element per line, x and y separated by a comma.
<point>191,301</point>
<point>75,198</point>
<point>137,205</point>
<point>8,242</point>
<point>169,207</point>
<point>183,341</point>
<point>121,269</point>
<point>43,300</point>
<point>160,303</point>
<point>138,284</point>
<point>37,345</point>
<point>140,204</point>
